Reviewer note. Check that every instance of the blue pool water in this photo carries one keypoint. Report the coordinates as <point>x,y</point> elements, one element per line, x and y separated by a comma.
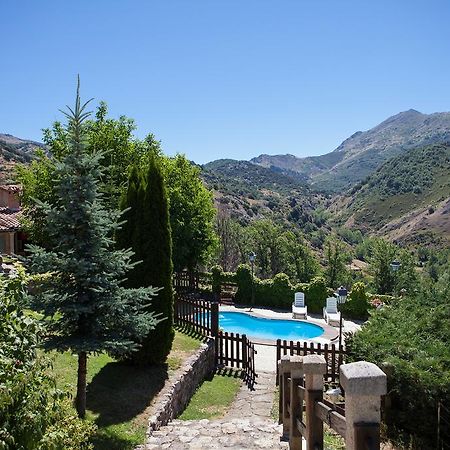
<point>273,329</point>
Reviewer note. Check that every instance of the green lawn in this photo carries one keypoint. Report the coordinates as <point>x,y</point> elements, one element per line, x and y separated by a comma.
<point>213,397</point>
<point>118,395</point>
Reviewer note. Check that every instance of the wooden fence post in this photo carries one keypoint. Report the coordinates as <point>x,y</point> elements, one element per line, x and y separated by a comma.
<point>285,367</point>
<point>296,407</point>
<point>364,384</point>
<point>314,367</point>
<point>214,319</point>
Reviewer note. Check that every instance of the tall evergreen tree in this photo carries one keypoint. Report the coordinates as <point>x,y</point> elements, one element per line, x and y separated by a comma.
<point>90,310</point>
<point>151,241</point>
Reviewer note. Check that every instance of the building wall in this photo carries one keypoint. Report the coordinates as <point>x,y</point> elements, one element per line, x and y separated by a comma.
<point>7,242</point>
<point>9,199</point>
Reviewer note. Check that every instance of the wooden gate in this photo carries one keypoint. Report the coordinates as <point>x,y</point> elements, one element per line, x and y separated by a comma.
<point>236,351</point>
<point>201,317</point>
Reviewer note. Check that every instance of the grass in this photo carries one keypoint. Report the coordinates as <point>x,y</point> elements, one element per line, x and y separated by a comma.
<point>213,398</point>
<point>332,440</point>
<point>118,395</point>
<point>274,411</point>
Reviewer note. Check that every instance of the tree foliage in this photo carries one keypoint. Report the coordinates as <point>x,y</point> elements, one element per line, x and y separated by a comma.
<point>33,412</point>
<point>109,138</point>
<point>89,309</point>
<point>192,213</point>
<point>386,280</point>
<point>335,257</point>
<point>410,340</point>
<point>147,233</point>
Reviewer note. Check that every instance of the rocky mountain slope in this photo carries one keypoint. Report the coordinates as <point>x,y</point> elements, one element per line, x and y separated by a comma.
<point>363,152</point>
<point>407,198</point>
<point>12,151</point>
<point>248,191</point>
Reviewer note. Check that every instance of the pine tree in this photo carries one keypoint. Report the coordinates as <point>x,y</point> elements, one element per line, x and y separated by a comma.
<point>151,241</point>
<point>90,310</point>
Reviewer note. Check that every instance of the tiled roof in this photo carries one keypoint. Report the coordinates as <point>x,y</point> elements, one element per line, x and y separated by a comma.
<point>9,219</point>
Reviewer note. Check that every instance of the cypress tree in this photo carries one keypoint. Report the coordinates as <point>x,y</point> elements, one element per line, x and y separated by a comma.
<point>88,309</point>
<point>152,244</point>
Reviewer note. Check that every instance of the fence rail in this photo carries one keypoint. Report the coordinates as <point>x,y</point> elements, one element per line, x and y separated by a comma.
<point>186,281</point>
<point>303,410</point>
<point>201,316</point>
<point>236,351</point>
<point>333,356</point>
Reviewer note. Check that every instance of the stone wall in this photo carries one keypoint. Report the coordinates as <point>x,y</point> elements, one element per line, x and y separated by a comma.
<point>175,396</point>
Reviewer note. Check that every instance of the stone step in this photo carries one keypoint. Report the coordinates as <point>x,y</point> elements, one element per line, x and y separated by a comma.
<point>235,434</point>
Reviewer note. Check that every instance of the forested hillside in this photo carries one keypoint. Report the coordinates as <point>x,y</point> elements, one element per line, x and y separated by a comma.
<point>363,152</point>
<point>248,191</point>
<point>408,195</point>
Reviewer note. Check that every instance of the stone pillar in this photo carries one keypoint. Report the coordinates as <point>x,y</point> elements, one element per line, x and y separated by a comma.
<point>364,383</point>
<point>295,437</point>
<point>314,367</point>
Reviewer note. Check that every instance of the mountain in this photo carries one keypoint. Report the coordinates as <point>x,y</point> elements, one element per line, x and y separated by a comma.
<point>407,198</point>
<point>12,151</point>
<point>249,191</point>
<point>363,152</point>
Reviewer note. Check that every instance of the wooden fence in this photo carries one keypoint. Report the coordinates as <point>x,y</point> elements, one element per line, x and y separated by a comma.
<point>197,315</point>
<point>333,356</point>
<point>186,281</point>
<point>303,410</point>
<point>234,350</point>
<point>202,317</point>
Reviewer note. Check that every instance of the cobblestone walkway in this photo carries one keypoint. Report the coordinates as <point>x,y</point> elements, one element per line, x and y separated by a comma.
<point>247,425</point>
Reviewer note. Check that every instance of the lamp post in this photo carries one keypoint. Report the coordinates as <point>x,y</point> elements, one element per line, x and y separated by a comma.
<point>342,298</point>
<point>395,266</point>
<point>252,257</point>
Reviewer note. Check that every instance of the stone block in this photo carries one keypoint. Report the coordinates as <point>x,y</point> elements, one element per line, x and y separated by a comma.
<point>363,378</point>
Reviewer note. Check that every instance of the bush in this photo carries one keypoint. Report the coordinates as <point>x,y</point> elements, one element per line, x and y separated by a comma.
<point>410,339</point>
<point>316,294</point>
<point>278,292</point>
<point>33,413</point>
<point>216,279</point>
<point>357,305</point>
<point>244,282</point>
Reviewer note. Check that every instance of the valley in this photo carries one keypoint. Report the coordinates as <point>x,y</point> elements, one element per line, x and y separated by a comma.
<point>392,180</point>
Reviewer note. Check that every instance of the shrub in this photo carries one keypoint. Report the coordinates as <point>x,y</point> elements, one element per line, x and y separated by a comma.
<point>276,292</point>
<point>410,339</point>
<point>244,282</point>
<point>316,294</point>
<point>216,279</point>
<point>33,413</point>
<point>357,304</point>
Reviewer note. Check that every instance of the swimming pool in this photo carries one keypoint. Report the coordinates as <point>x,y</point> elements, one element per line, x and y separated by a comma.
<point>271,329</point>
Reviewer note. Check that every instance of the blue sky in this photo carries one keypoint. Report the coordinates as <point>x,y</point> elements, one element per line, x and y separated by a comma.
<point>226,79</point>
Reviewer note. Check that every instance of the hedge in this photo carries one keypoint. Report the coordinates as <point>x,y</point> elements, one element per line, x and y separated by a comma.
<point>278,292</point>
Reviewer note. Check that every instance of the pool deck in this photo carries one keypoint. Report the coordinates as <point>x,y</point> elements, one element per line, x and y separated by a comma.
<point>266,350</point>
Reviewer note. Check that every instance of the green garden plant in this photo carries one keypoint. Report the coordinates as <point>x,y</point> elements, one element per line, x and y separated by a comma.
<point>87,308</point>
<point>34,415</point>
<point>147,233</point>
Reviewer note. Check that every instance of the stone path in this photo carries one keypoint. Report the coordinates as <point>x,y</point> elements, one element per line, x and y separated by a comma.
<point>247,425</point>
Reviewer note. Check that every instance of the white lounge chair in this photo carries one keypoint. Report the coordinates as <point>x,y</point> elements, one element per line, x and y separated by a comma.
<point>299,309</point>
<point>330,312</point>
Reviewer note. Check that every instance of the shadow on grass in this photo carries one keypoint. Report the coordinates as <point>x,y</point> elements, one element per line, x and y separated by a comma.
<point>189,331</point>
<point>120,392</point>
<point>228,372</point>
<point>102,441</point>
